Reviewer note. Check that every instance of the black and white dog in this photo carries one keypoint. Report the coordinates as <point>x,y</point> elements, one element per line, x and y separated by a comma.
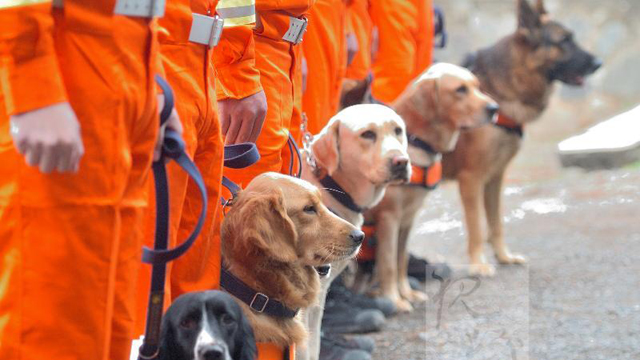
<point>206,325</point>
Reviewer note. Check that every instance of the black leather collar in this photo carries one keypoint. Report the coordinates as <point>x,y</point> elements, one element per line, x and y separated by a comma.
<point>339,194</point>
<point>257,301</point>
<point>420,144</point>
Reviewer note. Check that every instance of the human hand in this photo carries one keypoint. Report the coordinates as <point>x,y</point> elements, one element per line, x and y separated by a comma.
<point>49,138</point>
<point>242,119</point>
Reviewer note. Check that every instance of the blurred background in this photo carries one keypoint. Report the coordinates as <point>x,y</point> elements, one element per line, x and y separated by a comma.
<point>579,296</point>
<point>609,29</point>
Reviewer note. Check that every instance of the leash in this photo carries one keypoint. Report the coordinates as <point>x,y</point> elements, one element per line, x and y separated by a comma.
<point>237,156</point>
<point>173,148</point>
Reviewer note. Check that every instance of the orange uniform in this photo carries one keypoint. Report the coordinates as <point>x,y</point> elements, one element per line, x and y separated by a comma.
<point>405,30</point>
<point>70,243</point>
<point>359,22</point>
<point>279,64</point>
<point>325,50</point>
<point>189,68</point>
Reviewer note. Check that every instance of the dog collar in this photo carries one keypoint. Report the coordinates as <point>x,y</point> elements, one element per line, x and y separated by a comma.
<point>509,125</point>
<point>427,177</point>
<point>420,144</point>
<point>257,301</point>
<point>339,194</point>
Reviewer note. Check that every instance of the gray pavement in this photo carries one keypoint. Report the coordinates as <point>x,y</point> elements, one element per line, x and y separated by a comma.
<point>578,298</point>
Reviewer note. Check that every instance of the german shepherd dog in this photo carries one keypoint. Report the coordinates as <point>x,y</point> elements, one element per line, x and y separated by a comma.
<point>518,72</point>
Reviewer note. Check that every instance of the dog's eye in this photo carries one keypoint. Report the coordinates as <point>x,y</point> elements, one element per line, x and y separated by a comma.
<point>369,135</point>
<point>188,324</point>
<point>227,320</point>
<point>398,131</point>
<point>462,90</point>
<point>310,209</point>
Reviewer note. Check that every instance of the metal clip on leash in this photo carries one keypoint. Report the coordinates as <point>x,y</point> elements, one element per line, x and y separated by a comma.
<point>172,148</point>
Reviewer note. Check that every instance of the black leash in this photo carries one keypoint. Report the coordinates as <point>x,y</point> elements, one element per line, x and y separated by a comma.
<point>172,148</point>
<point>238,156</point>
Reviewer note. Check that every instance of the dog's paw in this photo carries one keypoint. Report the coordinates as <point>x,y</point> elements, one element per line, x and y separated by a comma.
<point>482,269</point>
<point>415,296</point>
<point>512,259</point>
<point>403,306</point>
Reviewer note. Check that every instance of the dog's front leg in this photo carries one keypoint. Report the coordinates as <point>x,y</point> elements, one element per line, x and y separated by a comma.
<point>404,287</point>
<point>493,209</point>
<point>471,191</point>
<point>387,228</point>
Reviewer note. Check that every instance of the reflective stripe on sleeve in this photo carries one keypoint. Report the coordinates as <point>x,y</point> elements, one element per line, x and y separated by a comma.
<point>14,3</point>
<point>237,12</point>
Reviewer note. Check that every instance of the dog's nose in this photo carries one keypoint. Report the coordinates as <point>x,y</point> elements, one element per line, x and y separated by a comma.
<point>492,110</point>
<point>211,352</point>
<point>595,65</point>
<point>399,163</point>
<point>357,236</point>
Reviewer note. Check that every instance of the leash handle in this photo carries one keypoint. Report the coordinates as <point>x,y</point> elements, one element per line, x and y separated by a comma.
<point>238,156</point>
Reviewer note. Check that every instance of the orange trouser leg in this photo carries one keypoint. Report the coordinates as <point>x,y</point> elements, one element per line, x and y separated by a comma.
<point>69,246</point>
<point>276,61</point>
<point>199,268</point>
<point>324,48</point>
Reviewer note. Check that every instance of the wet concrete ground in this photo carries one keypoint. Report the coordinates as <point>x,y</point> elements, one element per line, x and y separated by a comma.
<point>578,298</point>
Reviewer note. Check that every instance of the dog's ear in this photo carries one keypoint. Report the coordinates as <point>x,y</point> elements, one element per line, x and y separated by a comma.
<point>325,147</point>
<point>168,350</point>
<point>529,23</point>
<point>245,345</point>
<point>540,7</point>
<point>425,97</point>
<point>264,224</point>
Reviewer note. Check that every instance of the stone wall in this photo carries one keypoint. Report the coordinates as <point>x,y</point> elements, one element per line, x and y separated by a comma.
<point>608,28</point>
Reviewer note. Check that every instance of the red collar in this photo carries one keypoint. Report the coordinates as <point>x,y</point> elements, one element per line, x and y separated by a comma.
<point>509,125</point>
<point>428,177</point>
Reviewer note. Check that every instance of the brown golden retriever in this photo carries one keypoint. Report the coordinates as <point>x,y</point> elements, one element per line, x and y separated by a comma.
<point>273,238</point>
<point>435,108</point>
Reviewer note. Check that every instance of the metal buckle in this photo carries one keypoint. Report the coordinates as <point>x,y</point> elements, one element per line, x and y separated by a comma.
<point>297,28</point>
<point>262,296</point>
<point>206,30</point>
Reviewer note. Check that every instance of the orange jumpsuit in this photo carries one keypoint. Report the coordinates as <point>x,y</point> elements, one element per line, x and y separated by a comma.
<point>405,31</point>
<point>189,68</point>
<point>325,50</point>
<point>360,24</point>
<point>70,243</point>
<point>280,75</point>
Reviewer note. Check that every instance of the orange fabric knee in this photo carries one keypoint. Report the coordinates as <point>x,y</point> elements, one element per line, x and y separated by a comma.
<point>325,51</point>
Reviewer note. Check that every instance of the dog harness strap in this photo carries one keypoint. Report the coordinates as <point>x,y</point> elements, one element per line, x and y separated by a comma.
<point>420,144</point>
<point>509,125</point>
<point>257,301</point>
<point>427,177</point>
<point>339,194</point>
<point>238,156</point>
<point>172,148</point>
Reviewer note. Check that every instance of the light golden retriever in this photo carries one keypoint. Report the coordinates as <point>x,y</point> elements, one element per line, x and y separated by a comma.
<point>363,148</point>
<point>275,234</point>
<point>436,107</point>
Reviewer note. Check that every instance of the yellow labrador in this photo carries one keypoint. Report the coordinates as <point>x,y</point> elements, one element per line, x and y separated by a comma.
<point>436,107</point>
<point>361,151</point>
